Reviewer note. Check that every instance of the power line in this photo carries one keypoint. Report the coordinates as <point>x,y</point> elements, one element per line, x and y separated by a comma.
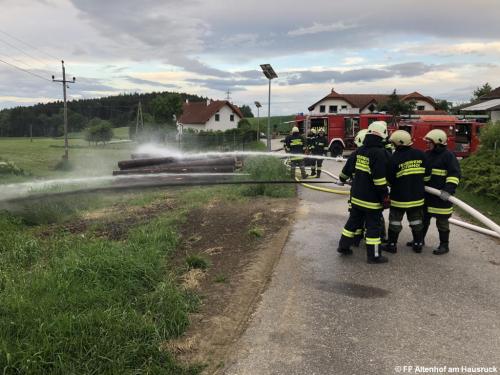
<point>25,70</point>
<point>22,51</point>
<point>29,45</point>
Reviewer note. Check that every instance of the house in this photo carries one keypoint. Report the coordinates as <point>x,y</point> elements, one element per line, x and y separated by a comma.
<point>367,103</point>
<point>209,115</point>
<point>488,104</point>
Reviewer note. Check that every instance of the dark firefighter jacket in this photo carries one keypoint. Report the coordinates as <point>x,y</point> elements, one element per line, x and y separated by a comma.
<point>445,175</point>
<point>310,141</point>
<point>320,145</point>
<point>405,174</point>
<point>295,144</point>
<point>369,185</point>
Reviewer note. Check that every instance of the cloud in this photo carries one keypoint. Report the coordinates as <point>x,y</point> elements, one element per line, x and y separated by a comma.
<point>320,28</point>
<point>146,82</point>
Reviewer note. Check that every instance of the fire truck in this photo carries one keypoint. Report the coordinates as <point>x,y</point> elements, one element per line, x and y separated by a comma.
<point>340,128</point>
<point>463,135</point>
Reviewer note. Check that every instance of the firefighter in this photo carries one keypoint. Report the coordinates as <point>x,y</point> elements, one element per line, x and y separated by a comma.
<point>310,141</point>
<point>320,149</point>
<point>445,176</point>
<point>348,173</point>
<point>296,145</point>
<point>405,174</point>
<point>368,194</point>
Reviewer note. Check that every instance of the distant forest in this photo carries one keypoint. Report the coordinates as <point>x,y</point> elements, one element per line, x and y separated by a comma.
<point>46,120</point>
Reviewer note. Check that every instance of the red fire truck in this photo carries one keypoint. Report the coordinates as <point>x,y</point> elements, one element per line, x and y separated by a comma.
<point>339,128</point>
<point>463,136</point>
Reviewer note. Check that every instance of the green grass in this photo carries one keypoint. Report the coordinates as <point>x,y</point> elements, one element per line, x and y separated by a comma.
<point>39,159</point>
<point>256,232</point>
<point>220,278</point>
<point>80,305</point>
<point>277,122</point>
<point>197,261</point>
<point>484,204</point>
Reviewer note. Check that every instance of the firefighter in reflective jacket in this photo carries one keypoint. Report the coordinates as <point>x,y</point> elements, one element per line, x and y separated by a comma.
<point>295,145</point>
<point>405,173</point>
<point>310,141</point>
<point>348,173</point>
<point>320,148</point>
<point>368,194</point>
<point>445,176</point>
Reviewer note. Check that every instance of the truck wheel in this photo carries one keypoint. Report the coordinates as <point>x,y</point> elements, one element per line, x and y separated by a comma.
<point>336,149</point>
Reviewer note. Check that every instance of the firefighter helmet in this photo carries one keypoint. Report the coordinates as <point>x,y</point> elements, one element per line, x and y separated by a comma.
<point>436,136</point>
<point>401,138</point>
<point>295,129</point>
<point>378,128</point>
<point>360,137</point>
<point>321,130</point>
<point>313,130</point>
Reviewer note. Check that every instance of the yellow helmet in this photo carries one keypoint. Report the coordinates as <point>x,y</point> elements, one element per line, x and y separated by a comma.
<point>295,129</point>
<point>378,128</point>
<point>360,137</point>
<point>437,136</point>
<point>313,130</point>
<point>401,138</point>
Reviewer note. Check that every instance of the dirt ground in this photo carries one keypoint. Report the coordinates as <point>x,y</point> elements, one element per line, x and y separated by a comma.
<point>242,241</point>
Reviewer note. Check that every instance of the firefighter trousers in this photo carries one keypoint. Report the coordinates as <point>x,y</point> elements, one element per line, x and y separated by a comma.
<point>415,217</point>
<point>371,220</point>
<point>294,163</point>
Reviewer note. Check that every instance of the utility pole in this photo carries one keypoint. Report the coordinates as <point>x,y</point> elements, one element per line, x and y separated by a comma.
<point>139,122</point>
<point>64,82</point>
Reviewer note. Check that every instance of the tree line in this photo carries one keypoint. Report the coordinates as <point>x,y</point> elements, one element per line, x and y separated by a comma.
<point>46,120</point>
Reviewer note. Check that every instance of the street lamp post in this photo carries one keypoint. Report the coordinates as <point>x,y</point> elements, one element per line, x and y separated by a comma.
<point>270,74</point>
<point>258,105</point>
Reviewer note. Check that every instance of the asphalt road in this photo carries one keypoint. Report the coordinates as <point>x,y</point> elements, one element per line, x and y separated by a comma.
<point>327,314</point>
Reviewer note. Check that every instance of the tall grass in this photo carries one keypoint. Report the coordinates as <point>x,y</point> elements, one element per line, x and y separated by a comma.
<point>77,306</point>
<point>267,169</point>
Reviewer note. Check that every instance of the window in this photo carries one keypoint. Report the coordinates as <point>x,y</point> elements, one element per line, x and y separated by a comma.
<point>371,108</point>
<point>231,118</point>
<point>217,117</point>
<point>344,107</point>
<point>322,108</point>
<point>333,109</point>
<point>420,107</point>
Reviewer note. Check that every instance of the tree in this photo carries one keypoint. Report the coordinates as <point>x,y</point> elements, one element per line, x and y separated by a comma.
<point>443,105</point>
<point>480,91</point>
<point>99,131</point>
<point>396,107</point>
<point>246,111</point>
<point>165,107</point>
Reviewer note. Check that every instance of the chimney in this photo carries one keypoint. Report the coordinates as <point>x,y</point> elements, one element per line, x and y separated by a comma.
<point>333,90</point>
<point>209,101</point>
<point>187,101</point>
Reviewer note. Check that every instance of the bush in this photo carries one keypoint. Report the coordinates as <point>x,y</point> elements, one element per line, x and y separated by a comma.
<point>267,168</point>
<point>481,174</point>
<point>197,261</point>
<point>489,135</point>
<point>98,131</point>
<point>7,167</point>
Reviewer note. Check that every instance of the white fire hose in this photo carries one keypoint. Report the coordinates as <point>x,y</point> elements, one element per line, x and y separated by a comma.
<point>495,232</point>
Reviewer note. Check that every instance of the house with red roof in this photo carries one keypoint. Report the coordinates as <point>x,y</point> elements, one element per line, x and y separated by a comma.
<point>488,104</point>
<point>209,115</point>
<point>335,102</point>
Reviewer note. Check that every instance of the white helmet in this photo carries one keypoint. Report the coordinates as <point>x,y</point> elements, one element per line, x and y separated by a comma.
<point>378,128</point>
<point>360,137</point>
<point>295,129</point>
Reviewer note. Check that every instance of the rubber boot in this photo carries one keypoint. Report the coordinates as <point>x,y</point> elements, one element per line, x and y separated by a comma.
<point>418,241</point>
<point>421,237</point>
<point>313,171</point>
<point>372,257</point>
<point>392,240</point>
<point>357,240</point>
<point>444,238</point>
<point>344,245</point>
<point>318,175</point>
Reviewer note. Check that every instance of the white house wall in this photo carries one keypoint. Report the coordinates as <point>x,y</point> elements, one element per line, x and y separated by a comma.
<point>427,106</point>
<point>196,127</point>
<point>328,102</point>
<point>495,116</point>
<point>224,122</point>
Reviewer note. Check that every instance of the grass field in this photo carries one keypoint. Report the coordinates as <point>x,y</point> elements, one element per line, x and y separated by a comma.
<point>277,122</point>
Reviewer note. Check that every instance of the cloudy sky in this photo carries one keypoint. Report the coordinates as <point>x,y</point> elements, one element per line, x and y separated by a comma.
<point>441,48</point>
